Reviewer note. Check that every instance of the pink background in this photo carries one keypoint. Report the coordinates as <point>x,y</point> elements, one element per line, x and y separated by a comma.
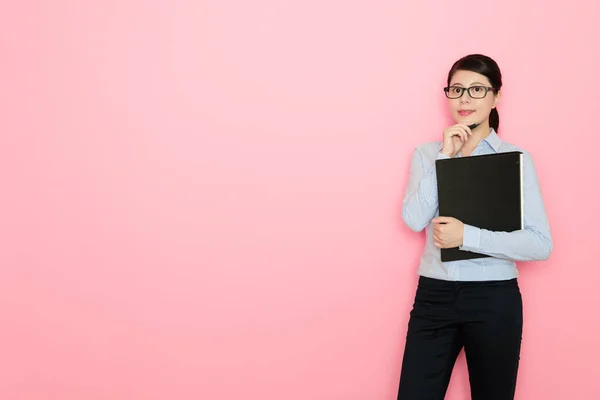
<point>201,200</point>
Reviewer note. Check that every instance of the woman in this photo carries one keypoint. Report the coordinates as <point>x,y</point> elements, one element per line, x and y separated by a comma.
<point>475,304</point>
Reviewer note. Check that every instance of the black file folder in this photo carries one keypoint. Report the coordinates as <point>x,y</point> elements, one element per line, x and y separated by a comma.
<point>485,191</point>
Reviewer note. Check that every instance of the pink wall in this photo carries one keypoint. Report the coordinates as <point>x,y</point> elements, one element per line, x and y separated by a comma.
<point>201,200</point>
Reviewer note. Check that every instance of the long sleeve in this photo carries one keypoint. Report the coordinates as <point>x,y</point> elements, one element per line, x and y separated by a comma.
<point>420,202</point>
<point>534,242</point>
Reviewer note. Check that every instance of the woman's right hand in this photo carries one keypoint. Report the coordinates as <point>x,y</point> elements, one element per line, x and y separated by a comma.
<point>454,138</point>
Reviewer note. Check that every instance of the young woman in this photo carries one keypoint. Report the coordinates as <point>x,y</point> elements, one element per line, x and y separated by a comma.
<point>475,304</point>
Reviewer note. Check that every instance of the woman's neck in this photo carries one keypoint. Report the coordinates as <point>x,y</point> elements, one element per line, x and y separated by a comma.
<point>478,134</point>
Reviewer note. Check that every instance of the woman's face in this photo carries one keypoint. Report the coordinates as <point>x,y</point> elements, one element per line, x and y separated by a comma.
<point>466,109</point>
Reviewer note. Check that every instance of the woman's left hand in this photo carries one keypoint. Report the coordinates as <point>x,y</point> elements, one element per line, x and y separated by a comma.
<point>447,232</point>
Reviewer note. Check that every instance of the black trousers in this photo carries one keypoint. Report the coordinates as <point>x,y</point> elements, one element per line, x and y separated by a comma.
<point>486,318</point>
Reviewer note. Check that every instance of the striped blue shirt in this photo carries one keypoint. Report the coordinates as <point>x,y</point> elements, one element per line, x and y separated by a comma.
<point>420,206</point>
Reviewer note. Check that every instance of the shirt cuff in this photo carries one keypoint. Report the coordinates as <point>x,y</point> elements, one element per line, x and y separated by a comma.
<point>441,156</point>
<point>471,238</point>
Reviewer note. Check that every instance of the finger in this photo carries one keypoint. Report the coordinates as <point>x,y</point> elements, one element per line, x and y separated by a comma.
<point>466,129</point>
<point>455,131</point>
<point>460,135</point>
<point>464,136</point>
<point>465,132</point>
<point>442,220</point>
<point>460,131</point>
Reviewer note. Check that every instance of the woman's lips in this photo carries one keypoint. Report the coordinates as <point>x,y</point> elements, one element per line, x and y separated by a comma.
<point>464,113</point>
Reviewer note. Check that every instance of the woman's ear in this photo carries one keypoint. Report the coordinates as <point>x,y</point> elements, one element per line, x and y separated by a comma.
<point>497,97</point>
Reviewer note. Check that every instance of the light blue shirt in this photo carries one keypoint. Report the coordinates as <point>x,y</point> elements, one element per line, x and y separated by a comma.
<point>420,206</point>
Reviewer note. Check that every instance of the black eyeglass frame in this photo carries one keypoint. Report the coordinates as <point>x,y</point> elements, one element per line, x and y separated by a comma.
<point>468,90</point>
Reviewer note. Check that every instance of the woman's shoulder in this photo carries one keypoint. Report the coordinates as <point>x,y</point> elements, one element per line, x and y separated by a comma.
<point>427,152</point>
<point>528,161</point>
<point>429,147</point>
<point>506,147</point>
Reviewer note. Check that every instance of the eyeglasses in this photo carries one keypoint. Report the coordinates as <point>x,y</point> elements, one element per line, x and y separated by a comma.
<point>476,92</point>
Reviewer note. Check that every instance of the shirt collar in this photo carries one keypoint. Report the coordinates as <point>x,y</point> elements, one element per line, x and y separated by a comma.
<point>493,140</point>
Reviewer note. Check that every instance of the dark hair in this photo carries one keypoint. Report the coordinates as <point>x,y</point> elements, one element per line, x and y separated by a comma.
<point>487,67</point>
